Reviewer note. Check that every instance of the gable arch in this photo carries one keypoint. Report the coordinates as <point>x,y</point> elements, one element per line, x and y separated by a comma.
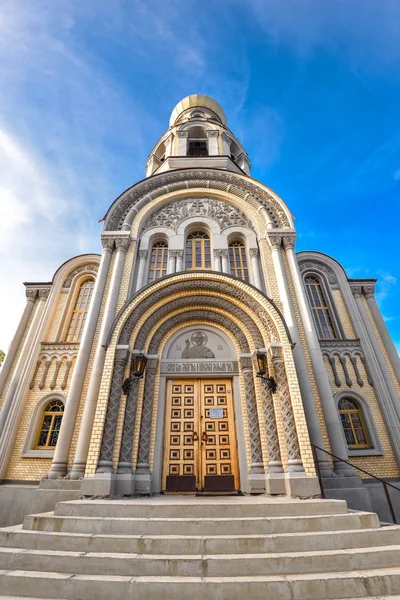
<point>123,210</point>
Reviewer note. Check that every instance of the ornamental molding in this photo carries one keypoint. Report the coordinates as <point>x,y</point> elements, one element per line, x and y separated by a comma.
<point>220,253</point>
<point>356,289</point>
<point>369,290</point>
<point>175,253</point>
<point>90,268</point>
<point>253,252</point>
<point>50,347</point>
<point>309,265</point>
<point>170,215</point>
<point>167,183</point>
<point>340,344</point>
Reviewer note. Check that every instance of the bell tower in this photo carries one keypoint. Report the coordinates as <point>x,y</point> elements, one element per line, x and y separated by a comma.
<point>198,136</point>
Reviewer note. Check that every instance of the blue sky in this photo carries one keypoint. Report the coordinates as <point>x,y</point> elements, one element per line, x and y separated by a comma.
<point>311,88</point>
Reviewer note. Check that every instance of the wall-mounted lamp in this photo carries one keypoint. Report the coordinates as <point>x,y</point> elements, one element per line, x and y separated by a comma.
<point>262,369</point>
<point>138,366</point>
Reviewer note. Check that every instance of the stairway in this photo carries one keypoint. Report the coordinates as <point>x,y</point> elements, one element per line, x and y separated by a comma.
<point>178,547</point>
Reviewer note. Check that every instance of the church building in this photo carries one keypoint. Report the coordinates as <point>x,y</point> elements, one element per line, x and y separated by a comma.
<point>199,352</point>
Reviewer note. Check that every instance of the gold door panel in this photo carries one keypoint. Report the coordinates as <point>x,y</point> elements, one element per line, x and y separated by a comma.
<point>200,450</point>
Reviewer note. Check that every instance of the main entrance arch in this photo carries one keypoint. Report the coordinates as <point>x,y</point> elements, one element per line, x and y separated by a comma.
<point>273,444</point>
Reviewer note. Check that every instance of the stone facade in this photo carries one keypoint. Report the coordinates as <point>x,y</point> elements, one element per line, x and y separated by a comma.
<point>113,441</point>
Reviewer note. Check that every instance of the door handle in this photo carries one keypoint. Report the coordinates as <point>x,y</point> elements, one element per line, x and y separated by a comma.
<point>204,436</point>
<point>195,436</point>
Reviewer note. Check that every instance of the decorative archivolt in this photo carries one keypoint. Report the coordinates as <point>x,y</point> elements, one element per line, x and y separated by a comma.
<point>205,285</point>
<point>318,266</point>
<point>167,183</point>
<point>91,268</point>
<point>172,213</point>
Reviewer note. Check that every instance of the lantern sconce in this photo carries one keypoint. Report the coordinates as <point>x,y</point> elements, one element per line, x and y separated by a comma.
<point>137,371</point>
<point>262,369</point>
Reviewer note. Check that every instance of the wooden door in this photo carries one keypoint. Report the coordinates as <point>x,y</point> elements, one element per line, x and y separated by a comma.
<point>200,451</point>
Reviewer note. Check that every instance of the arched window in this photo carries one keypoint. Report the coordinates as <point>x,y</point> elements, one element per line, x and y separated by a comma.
<point>238,260</point>
<point>198,251</point>
<point>320,310</point>
<point>158,261</point>
<point>353,424</point>
<point>50,425</point>
<point>80,311</point>
<point>197,142</point>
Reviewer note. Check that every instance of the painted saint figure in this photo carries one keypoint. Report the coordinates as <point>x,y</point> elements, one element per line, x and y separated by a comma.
<point>199,349</point>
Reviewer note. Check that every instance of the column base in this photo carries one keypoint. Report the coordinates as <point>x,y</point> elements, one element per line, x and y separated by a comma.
<point>275,483</point>
<point>125,484</point>
<point>57,470</point>
<point>257,483</point>
<point>78,470</point>
<point>142,480</point>
<point>298,485</point>
<point>102,484</point>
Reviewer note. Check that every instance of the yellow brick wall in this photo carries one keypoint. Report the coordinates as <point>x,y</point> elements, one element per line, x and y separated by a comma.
<point>343,314</point>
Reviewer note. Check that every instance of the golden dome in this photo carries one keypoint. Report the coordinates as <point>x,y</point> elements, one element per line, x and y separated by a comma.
<point>197,100</point>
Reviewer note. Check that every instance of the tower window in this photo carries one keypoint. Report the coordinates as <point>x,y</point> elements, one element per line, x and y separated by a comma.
<point>50,425</point>
<point>80,311</point>
<point>319,308</point>
<point>198,251</point>
<point>353,424</point>
<point>197,148</point>
<point>158,261</point>
<point>238,260</point>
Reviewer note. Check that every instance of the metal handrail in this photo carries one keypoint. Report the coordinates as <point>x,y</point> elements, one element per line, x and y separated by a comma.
<point>383,482</point>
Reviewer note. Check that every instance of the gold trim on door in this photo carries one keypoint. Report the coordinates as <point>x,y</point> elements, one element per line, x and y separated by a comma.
<point>200,450</point>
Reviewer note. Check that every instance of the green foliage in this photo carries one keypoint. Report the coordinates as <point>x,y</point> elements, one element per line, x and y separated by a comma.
<point>2,356</point>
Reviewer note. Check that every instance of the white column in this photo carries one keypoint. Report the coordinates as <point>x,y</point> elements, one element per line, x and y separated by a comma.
<point>357,290</point>
<point>82,448</point>
<point>171,262</point>
<point>226,142</point>
<point>179,260</point>
<point>225,263</point>
<point>298,355</point>
<point>212,142</point>
<point>60,460</point>
<point>255,268</point>
<point>331,416</point>
<point>182,143</point>
<point>8,400</point>
<point>168,145</point>
<point>31,294</point>
<point>217,261</point>
<point>369,293</point>
<point>141,269</point>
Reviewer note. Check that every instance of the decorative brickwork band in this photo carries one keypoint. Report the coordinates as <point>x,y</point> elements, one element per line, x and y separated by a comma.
<point>292,442</point>
<point>252,416</point>
<point>125,455</point>
<point>107,445</point>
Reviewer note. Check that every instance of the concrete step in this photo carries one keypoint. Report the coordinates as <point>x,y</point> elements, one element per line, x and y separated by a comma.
<point>16,537</point>
<point>229,565</point>
<point>202,527</point>
<point>326,586</point>
<point>192,508</point>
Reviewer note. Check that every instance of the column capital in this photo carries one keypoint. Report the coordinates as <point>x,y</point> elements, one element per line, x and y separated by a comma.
<point>253,252</point>
<point>31,294</point>
<point>221,252</point>
<point>275,239</point>
<point>356,290</point>
<point>44,292</point>
<point>107,242</point>
<point>182,134</point>
<point>122,242</point>
<point>212,133</point>
<point>175,253</point>
<point>246,362</point>
<point>276,352</point>
<point>369,290</point>
<point>122,355</point>
<point>225,137</point>
<point>143,253</point>
<point>289,240</point>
